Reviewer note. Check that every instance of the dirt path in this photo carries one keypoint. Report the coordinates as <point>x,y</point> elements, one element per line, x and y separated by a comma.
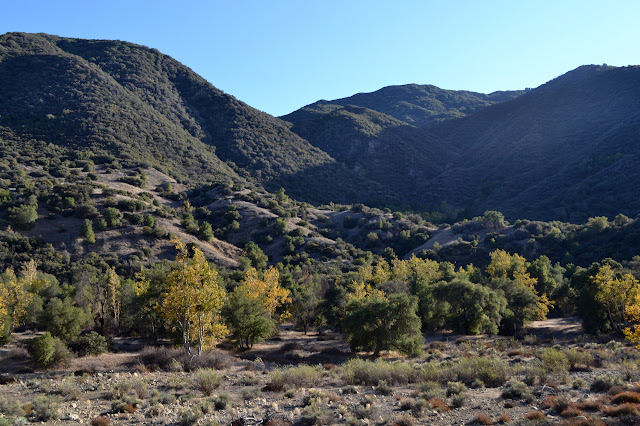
<point>555,328</point>
<point>441,236</point>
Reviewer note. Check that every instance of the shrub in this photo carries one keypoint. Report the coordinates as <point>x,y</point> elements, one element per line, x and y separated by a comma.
<point>503,418</point>
<point>358,371</point>
<point>492,371</point>
<point>376,324</point>
<point>69,390</point>
<point>627,410</point>
<point>535,415</point>
<point>430,390</point>
<point>570,411</point>
<point>604,383</point>
<point>515,389</point>
<point>297,376</point>
<point>383,388</point>
<point>624,397</point>
<point>481,419</point>
<point>100,421</point>
<point>438,405</point>
<point>579,359</point>
<point>11,407</point>
<point>91,343</point>
<point>48,351</point>
<point>207,380</point>
<point>221,401</point>
<point>406,404</point>
<point>458,400</point>
<point>45,408</point>
<point>455,388</point>
<point>553,361</point>
<point>589,405</point>
<point>160,356</point>
<point>317,413</point>
<point>214,358</point>
<point>404,420</point>
<point>250,393</point>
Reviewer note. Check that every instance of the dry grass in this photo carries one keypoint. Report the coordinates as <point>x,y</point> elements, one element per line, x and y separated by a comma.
<point>624,397</point>
<point>481,419</point>
<point>535,415</point>
<point>626,409</point>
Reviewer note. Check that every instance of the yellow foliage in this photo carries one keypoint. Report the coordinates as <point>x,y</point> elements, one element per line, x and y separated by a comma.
<point>615,293</point>
<point>16,298</point>
<point>267,289</point>
<point>544,305</point>
<point>29,274</point>
<point>360,290</point>
<point>504,264</point>
<point>3,308</point>
<point>427,269</point>
<point>514,267</point>
<point>632,314</point>
<point>194,298</point>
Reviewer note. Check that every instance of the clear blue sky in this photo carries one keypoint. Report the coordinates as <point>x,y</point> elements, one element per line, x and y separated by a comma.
<point>278,56</point>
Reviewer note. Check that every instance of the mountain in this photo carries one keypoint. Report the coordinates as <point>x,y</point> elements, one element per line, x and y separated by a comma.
<point>564,150</point>
<point>112,96</point>
<point>384,136</point>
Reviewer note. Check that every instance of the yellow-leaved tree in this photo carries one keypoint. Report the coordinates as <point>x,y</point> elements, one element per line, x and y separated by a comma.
<point>3,310</point>
<point>616,292</point>
<point>632,312</point>
<point>268,290</point>
<point>513,267</point>
<point>193,299</point>
<point>16,297</point>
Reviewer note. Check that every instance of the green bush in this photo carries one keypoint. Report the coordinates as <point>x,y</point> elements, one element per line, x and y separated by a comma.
<point>455,388</point>
<point>515,389</point>
<point>297,376</point>
<point>207,380</point>
<point>23,216</point>
<point>370,373</point>
<point>48,351</point>
<point>492,371</point>
<point>553,361</point>
<point>64,319</point>
<point>91,343</point>
<point>248,319</point>
<point>45,408</point>
<point>376,324</point>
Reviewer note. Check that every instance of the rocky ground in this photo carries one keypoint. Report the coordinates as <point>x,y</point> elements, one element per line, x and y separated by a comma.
<point>313,379</point>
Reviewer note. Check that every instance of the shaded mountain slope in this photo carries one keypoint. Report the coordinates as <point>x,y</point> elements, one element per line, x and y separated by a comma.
<point>565,150</point>
<point>376,146</point>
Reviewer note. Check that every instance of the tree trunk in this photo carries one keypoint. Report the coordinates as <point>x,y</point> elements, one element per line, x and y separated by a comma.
<point>185,338</point>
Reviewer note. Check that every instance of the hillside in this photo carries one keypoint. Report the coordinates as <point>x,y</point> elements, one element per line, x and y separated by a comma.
<point>111,96</point>
<point>565,150</point>
<point>558,151</point>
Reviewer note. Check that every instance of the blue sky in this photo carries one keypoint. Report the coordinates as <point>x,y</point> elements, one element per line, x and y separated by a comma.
<point>278,56</point>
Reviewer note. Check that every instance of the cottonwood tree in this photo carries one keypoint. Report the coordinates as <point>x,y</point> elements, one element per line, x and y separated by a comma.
<point>251,311</point>
<point>193,300</point>
<point>374,322</point>
<point>16,298</point>
<point>616,292</point>
<point>267,290</point>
